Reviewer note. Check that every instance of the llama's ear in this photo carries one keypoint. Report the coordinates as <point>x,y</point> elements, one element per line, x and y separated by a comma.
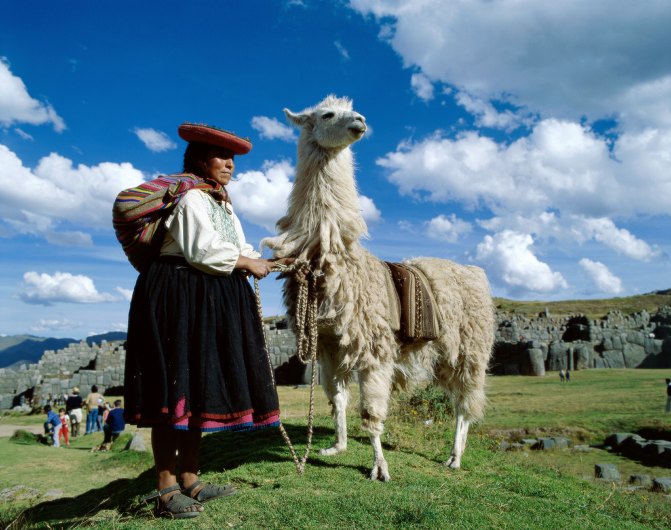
<point>297,119</point>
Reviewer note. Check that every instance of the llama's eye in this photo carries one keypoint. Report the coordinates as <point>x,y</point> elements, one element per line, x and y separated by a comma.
<point>328,115</point>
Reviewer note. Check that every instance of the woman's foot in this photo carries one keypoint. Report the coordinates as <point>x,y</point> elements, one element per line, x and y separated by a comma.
<point>201,492</point>
<point>172,504</point>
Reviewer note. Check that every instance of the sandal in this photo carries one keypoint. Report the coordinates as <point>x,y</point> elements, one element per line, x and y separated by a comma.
<point>176,507</point>
<point>208,492</point>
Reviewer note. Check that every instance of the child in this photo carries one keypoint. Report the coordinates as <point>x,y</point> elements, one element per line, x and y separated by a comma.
<point>53,425</point>
<point>64,426</point>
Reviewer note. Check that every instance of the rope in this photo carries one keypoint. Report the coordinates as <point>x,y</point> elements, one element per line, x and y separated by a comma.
<point>306,342</point>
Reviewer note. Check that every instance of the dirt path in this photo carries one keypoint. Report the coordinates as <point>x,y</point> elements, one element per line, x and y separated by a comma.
<point>8,430</point>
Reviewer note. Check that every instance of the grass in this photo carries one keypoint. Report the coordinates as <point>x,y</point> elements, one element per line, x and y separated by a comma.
<point>593,309</point>
<point>494,489</point>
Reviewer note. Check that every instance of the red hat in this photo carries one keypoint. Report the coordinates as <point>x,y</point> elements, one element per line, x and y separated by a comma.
<point>206,134</point>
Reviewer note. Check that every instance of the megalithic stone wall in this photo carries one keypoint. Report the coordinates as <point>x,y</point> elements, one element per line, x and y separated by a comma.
<point>526,346</point>
<point>531,346</point>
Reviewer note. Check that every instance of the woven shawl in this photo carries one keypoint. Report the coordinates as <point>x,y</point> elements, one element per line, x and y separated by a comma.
<point>138,213</point>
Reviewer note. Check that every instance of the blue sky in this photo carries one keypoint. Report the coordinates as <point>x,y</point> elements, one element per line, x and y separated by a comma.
<point>529,138</point>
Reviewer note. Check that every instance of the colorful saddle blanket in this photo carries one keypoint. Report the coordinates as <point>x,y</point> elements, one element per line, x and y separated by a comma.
<point>138,213</point>
<point>418,309</point>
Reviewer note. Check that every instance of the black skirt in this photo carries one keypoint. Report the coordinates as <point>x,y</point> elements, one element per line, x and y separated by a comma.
<point>195,356</point>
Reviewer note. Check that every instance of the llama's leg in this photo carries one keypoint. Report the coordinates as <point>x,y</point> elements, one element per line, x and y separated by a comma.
<point>335,387</point>
<point>460,436</point>
<point>375,387</point>
<point>468,390</point>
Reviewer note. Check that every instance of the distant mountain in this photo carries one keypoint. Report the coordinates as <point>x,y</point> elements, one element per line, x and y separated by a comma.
<point>19,349</point>
<point>109,336</point>
<point>28,349</point>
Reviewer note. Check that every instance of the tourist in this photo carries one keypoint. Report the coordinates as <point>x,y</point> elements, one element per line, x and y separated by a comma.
<point>93,400</point>
<point>114,424</point>
<point>65,427</point>
<point>668,395</point>
<point>102,412</point>
<point>195,358</point>
<point>73,406</point>
<point>52,426</point>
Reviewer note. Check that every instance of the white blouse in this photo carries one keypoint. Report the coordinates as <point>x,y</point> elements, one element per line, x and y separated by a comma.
<point>191,233</point>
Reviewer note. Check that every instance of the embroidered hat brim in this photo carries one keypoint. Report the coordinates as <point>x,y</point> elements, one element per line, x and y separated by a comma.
<point>206,134</point>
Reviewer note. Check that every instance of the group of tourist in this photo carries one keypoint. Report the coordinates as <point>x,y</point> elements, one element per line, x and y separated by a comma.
<point>101,417</point>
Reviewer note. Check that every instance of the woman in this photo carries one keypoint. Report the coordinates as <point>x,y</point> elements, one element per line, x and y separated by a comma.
<point>73,407</point>
<point>195,354</point>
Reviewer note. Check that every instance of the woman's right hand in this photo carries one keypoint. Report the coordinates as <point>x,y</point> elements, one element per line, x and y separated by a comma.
<point>259,268</point>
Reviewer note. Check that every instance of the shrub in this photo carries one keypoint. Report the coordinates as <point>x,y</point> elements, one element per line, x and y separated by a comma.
<point>422,404</point>
<point>22,436</point>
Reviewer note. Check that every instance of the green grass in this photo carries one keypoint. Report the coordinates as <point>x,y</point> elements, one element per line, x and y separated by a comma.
<point>494,489</point>
<point>593,309</point>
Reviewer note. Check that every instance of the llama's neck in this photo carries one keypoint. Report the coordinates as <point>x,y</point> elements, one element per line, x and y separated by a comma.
<point>323,215</point>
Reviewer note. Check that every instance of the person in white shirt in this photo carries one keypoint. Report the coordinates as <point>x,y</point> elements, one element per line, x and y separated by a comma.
<point>195,358</point>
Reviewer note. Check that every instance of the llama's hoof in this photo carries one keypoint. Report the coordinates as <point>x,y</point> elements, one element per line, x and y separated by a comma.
<point>334,450</point>
<point>380,471</point>
<point>453,462</point>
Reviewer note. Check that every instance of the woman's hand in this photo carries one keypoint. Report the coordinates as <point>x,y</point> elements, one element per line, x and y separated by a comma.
<point>259,268</point>
<point>283,261</point>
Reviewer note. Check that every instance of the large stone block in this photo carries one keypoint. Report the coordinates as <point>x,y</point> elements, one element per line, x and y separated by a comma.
<point>582,356</point>
<point>662,484</point>
<point>615,440</point>
<point>613,359</point>
<point>607,472</point>
<point>633,354</point>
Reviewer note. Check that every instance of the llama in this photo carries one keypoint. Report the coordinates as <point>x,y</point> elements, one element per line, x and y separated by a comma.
<point>324,226</point>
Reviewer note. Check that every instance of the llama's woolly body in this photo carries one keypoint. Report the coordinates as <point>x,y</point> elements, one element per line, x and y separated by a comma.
<point>323,225</point>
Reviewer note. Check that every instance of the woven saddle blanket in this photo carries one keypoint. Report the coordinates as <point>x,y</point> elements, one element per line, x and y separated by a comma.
<point>418,315</point>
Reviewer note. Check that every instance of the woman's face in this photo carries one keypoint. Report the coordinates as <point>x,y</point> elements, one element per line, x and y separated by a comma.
<point>219,165</point>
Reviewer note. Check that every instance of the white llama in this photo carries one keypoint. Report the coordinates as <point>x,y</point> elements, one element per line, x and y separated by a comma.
<point>323,225</point>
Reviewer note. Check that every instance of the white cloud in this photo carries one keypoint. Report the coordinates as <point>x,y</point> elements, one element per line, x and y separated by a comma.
<point>510,262</point>
<point>342,50</point>
<point>56,192</point>
<point>604,280</point>
<point>621,240</point>
<point>549,57</point>
<point>17,106</point>
<point>49,325</point>
<point>422,86</point>
<point>46,289</point>
<point>447,228</point>
<point>261,196</point>
<point>272,129</point>
<point>126,294</point>
<point>23,134</point>
<point>66,238</point>
<point>575,229</point>
<point>487,116</point>
<point>561,165</point>
<point>155,141</point>
<point>369,211</point>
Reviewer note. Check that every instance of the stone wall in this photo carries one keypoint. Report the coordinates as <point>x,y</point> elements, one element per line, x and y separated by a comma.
<point>532,346</point>
<point>526,346</point>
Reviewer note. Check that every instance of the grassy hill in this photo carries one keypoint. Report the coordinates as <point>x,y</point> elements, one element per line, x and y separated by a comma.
<point>593,309</point>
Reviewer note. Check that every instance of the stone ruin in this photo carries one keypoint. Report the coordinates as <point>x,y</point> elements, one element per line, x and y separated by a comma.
<point>80,365</point>
<point>532,346</point>
<point>525,346</point>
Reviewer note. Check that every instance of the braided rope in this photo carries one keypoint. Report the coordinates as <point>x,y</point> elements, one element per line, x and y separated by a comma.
<point>306,341</point>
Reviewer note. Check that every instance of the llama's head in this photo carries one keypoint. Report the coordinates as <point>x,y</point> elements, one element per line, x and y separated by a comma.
<point>332,124</point>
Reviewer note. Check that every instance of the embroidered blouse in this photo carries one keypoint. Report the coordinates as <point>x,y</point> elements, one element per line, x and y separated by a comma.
<point>208,237</point>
